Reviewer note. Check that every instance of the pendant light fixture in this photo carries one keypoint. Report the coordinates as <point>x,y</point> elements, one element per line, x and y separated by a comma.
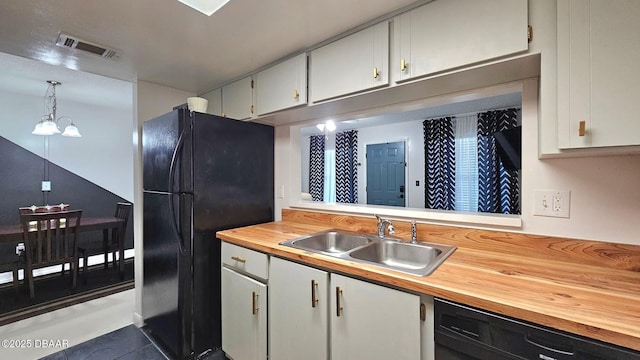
<point>48,124</point>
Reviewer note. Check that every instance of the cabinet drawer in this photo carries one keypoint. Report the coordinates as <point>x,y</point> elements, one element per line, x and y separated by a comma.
<point>245,260</point>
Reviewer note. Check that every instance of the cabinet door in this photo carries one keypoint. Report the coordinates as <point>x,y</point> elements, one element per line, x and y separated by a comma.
<point>598,61</point>
<point>355,63</point>
<point>214,106</point>
<point>443,35</point>
<point>371,322</point>
<point>244,317</point>
<point>282,86</point>
<point>237,99</point>
<point>298,304</point>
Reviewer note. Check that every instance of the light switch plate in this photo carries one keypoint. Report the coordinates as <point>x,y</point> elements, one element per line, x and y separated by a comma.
<point>554,203</point>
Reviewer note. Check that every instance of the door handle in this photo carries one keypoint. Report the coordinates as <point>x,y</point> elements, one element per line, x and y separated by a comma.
<point>401,188</point>
<point>314,295</point>
<point>254,303</point>
<point>238,259</point>
<point>172,169</point>
<point>582,128</point>
<point>338,301</point>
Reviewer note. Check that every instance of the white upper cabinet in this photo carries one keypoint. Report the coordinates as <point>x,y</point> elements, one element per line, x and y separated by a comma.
<point>215,102</point>
<point>355,63</point>
<point>282,86</point>
<point>443,35</point>
<point>237,99</point>
<point>598,87</point>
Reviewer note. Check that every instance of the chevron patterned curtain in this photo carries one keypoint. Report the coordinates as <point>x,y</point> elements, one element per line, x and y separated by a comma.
<point>498,188</point>
<point>347,166</point>
<point>316,167</point>
<point>440,163</point>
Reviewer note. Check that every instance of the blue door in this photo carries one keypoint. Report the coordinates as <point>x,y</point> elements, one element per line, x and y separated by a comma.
<point>385,174</point>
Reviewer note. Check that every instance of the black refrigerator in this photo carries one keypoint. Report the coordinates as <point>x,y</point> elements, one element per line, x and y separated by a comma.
<point>201,174</point>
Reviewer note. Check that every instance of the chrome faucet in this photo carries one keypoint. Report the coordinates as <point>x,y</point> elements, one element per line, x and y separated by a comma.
<point>381,224</point>
<point>414,232</point>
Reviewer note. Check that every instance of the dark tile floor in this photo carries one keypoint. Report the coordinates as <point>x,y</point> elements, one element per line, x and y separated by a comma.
<point>122,344</point>
<point>128,343</point>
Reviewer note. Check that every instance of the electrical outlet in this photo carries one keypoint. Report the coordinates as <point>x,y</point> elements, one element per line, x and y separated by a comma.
<point>46,186</point>
<point>554,203</point>
<point>558,203</point>
<point>19,248</point>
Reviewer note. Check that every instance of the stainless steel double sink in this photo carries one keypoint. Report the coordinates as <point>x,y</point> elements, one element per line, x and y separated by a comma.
<point>419,259</point>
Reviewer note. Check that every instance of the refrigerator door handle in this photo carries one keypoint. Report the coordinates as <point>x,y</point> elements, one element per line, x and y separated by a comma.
<point>172,169</point>
<point>174,160</point>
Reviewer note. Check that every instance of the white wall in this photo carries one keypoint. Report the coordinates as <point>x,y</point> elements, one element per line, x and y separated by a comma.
<point>103,155</point>
<point>155,100</point>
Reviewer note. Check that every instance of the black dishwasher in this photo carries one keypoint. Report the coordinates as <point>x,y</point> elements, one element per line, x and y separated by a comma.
<point>466,333</point>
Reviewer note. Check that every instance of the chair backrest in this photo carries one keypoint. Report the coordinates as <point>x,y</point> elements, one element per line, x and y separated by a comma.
<point>122,212</point>
<point>50,238</point>
<point>42,208</point>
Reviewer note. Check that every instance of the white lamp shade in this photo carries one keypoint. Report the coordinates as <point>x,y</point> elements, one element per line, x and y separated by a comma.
<point>46,127</point>
<point>50,127</point>
<point>38,130</point>
<point>71,131</point>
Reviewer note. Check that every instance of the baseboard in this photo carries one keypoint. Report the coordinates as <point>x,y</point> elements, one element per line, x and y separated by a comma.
<point>137,319</point>
<point>64,302</point>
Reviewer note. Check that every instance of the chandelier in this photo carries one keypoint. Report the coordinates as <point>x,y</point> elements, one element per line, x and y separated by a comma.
<point>48,124</point>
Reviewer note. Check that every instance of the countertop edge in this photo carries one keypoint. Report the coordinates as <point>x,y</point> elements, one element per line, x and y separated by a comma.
<point>617,333</point>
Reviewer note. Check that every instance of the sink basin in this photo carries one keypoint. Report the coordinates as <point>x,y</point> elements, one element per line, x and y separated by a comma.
<point>418,259</point>
<point>332,242</point>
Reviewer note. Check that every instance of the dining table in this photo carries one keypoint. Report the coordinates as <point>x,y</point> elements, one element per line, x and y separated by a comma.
<point>13,233</point>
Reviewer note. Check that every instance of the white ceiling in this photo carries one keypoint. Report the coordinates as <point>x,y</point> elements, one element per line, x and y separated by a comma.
<point>167,43</point>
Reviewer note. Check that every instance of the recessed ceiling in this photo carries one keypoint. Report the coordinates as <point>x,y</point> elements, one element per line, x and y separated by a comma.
<point>167,43</point>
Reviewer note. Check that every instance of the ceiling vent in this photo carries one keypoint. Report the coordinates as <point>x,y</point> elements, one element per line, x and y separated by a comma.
<point>75,43</point>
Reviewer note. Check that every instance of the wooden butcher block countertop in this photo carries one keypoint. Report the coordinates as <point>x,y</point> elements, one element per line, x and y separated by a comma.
<point>583,287</point>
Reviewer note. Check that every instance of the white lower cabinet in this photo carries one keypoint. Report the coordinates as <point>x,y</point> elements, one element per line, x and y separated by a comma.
<point>244,317</point>
<point>298,304</point>
<point>317,315</point>
<point>371,322</point>
<point>244,303</point>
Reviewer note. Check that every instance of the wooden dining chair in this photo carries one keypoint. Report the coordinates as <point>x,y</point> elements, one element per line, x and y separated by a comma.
<point>111,244</point>
<point>42,209</point>
<point>50,238</point>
